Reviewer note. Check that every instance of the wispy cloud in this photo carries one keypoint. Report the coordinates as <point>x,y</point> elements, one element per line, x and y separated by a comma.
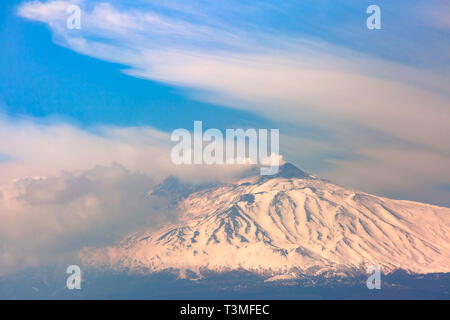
<point>226,55</point>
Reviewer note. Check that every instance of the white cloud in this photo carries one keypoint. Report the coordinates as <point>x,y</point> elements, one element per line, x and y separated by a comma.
<point>433,13</point>
<point>35,149</point>
<point>38,149</point>
<point>47,220</point>
<point>45,11</point>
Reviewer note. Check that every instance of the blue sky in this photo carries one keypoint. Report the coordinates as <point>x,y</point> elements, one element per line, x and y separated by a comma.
<point>43,80</point>
<point>365,108</point>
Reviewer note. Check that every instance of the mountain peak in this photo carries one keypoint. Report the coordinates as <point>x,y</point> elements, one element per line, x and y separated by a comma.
<point>174,189</point>
<point>288,171</point>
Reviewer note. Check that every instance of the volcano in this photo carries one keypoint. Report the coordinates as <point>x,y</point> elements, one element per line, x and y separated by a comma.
<point>287,225</point>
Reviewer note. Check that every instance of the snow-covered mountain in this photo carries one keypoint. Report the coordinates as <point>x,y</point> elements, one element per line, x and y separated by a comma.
<point>289,224</point>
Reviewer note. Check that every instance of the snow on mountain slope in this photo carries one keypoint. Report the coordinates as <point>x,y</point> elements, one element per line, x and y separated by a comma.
<point>291,222</point>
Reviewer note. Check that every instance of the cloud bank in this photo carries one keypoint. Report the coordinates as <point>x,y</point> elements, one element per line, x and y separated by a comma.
<point>62,188</point>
